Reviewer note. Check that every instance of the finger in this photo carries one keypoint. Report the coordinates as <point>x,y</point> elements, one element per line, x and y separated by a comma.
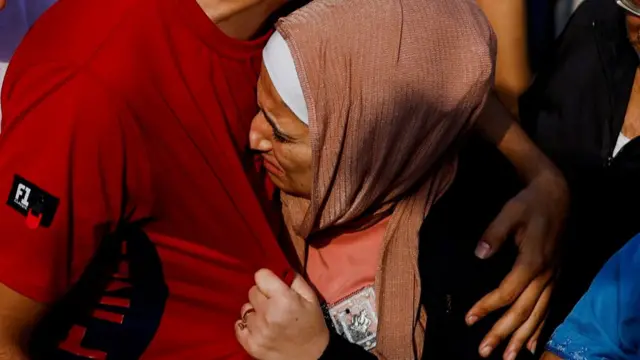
<point>532,344</point>
<point>257,299</point>
<point>534,243</point>
<point>517,315</point>
<point>528,330</point>
<point>300,286</point>
<point>270,284</point>
<point>244,337</point>
<point>510,288</point>
<point>528,265</point>
<point>245,313</point>
<point>242,333</point>
<point>498,230</point>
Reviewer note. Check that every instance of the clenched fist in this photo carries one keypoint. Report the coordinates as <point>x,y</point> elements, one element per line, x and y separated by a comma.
<point>281,322</point>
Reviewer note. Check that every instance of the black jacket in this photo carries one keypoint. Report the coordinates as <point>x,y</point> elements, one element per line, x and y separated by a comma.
<point>574,111</point>
<point>453,279</point>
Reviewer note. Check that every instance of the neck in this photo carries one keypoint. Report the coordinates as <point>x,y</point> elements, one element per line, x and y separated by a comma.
<point>240,19</point>
<point>631,124</point>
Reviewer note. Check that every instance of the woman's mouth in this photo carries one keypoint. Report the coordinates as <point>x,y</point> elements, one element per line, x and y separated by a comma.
<point>272,168</point>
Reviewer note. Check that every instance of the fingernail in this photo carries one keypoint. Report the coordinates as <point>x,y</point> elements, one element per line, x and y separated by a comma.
<point>533,347</point>
<point>483,250</point>
<point>486,350</point>
<point>511,355</point>
<point>472,319</point>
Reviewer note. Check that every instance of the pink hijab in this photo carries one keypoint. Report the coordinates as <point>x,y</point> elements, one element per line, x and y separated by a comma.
<point>390,85</point>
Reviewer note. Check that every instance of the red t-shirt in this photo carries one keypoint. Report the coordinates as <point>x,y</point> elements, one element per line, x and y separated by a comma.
<point>126,111</point>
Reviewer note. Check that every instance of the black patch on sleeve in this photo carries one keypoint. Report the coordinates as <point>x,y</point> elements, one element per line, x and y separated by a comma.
<point>25,197</point>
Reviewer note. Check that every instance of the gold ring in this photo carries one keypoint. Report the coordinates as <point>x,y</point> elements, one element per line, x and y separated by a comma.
<point>246,313</point>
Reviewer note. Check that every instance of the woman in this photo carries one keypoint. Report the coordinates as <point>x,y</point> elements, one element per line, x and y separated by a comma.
<point>605,324</point>
<point>583,110</point>
<point>363,105</point>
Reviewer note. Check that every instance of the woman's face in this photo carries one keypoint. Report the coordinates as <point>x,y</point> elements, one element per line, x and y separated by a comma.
<point>633,27</point>
<point>282,139</point>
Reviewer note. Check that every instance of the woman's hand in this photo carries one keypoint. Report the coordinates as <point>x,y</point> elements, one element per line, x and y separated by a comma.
<point>535,217</point>
<point>282,322</point>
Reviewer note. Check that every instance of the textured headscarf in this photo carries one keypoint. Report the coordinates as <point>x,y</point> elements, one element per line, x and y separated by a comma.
<point>389,86</point>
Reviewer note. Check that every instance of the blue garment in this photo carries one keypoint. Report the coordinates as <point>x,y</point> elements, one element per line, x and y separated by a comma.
<point>605,324</point>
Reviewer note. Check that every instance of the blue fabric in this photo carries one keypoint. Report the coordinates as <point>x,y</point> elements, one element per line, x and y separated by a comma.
<point>605,324</point>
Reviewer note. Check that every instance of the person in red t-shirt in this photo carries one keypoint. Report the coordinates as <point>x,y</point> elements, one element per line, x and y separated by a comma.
<point>134,114</point>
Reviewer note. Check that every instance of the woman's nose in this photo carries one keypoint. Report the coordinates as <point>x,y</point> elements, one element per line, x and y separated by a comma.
<point>259,139</point>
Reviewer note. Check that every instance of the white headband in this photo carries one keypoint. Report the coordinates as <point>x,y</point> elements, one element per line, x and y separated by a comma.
<point>279,63</point>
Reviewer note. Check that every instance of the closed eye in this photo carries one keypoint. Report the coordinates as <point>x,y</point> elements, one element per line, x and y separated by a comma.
<point>277,134</point>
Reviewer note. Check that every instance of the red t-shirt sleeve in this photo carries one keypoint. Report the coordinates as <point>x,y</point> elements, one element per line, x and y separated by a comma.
<point>73,142</point>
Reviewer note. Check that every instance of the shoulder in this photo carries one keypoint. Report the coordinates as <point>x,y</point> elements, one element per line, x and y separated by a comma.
<point>629,268</point>
<point>74,32</point>
<point>592,13</point>
<point>59,99</point>
<point>591,10</point>
<point>574,61</point>
<point>603,321</point>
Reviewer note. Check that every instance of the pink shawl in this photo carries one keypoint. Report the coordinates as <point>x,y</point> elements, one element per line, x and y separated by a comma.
<point>390,86</point>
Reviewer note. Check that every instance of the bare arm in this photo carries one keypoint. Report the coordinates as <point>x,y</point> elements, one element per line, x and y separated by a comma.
<point>18,315</point>
<point>513,73</point>
<point>533,219</point>
<point>499,127</point>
